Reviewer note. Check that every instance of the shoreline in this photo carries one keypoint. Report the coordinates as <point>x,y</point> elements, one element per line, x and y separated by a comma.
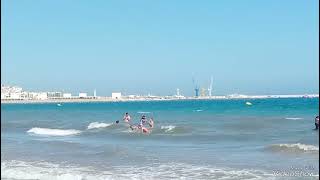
<point>107,99</point>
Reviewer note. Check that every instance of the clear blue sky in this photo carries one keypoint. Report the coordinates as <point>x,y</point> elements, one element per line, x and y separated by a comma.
<point>248,46</point>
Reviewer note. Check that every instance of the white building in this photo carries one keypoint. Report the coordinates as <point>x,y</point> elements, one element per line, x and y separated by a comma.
<point>116,95</point>
<point>66,95</point>
<point>95,93</point>
<point>38,95</point>
<point>10,89</point>
<point>24,95</point>
<point>13,92</point>
<point>15,95</point>
<point>42,96</point>
<point>178,95</point>
<point>54,94</point>
<point>32,95</point>
<point>82,95</point>
<point>5,95</point>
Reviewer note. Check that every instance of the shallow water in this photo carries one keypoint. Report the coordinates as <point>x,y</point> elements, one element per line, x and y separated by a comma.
<point>192,139</point>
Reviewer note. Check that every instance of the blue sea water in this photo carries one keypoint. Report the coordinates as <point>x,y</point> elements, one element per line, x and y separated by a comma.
<point>192,139</point>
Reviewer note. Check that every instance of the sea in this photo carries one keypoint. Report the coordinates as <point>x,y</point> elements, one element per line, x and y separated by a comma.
<point>191,139</point>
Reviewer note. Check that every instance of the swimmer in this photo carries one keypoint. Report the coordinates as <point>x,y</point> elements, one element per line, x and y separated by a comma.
<point>151,123</point>
<point>133,127</point>
<point>143,120</point>
<point>316,123</point>
<point>144,129</point>
<point>140,128</point>
<point>126,118</point>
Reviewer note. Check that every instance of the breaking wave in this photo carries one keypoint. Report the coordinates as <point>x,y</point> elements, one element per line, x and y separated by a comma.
<point>94,125</point>
<point>198,110</point>
<point>53,132</point>
<point>293,118</point>
<point>43,170</point>
<point>143,112</point>
<point>169,128</point>
<point>295,147</point>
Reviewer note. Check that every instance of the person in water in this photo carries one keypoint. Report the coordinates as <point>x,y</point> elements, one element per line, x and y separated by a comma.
<point>126,118</point>
<point>316,123</point>
<point>141,124</point>
<point>144,129</point>
<point>140,128</point>
<point>143,120</point>
<point>151,123</point>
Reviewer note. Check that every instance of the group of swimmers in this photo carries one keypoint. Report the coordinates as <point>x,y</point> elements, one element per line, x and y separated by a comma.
<point>142,124</point>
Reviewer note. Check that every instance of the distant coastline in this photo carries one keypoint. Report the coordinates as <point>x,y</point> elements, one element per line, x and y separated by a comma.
<point>16,95</point>
<point>125,99</point>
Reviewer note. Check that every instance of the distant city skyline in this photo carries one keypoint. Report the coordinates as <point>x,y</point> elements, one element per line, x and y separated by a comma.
<point>141,47</point>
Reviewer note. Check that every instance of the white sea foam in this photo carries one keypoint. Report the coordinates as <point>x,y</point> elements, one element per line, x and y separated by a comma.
<point>35,170</point>
<point>53,132</point>
<point>143,112</point>
<point>293,118</point>
<point>27,171</point>
<point>198,110</point>
<point>168,128</point>
<point>94,125</point>
<point>128,131</point>
<point>249,103</point>
<point>296,147</point>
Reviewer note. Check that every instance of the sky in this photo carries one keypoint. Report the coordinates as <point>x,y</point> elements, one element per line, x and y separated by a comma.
<point>140,47</point>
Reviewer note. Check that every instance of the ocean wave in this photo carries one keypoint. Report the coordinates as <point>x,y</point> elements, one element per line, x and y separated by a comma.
<point>249,103</point>
<point>295,147</point>
<point>32,170</point>
<point>43,170</point>
<point>169,128</point>
<point>293,118</point>
<point>129,131</point>
<point>198,110</point>
<point>143,112</point>
<point>53,132</point>
<point>94,125</point>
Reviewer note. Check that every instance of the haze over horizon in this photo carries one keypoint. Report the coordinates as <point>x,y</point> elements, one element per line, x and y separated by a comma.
<point>141,47</point>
